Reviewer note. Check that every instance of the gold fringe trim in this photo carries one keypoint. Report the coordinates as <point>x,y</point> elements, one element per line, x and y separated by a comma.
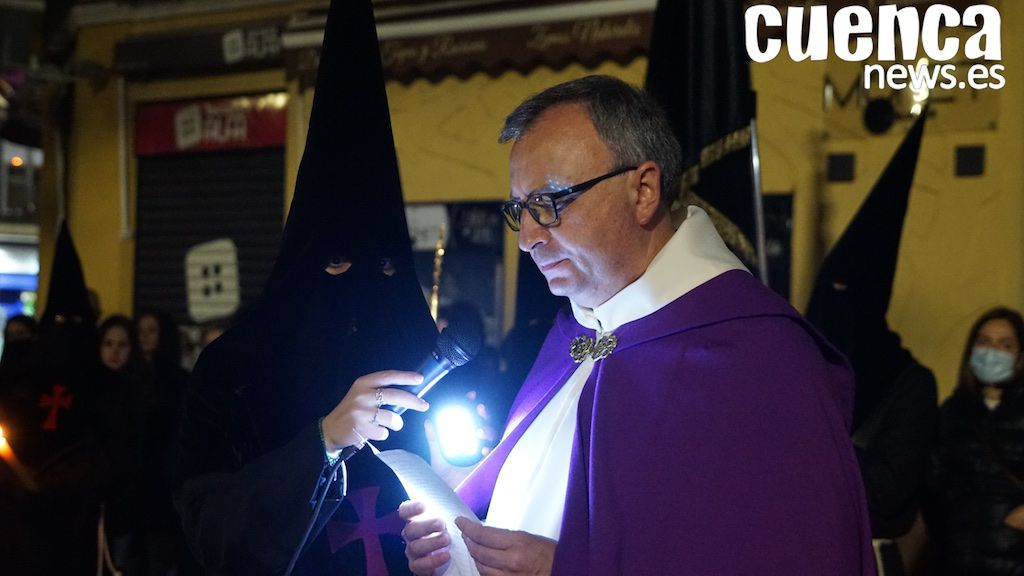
<point>734,238</point>
<point>714,152</point>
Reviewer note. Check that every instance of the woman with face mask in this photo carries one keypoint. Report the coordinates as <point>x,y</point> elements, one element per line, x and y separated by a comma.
<point>978,469</point>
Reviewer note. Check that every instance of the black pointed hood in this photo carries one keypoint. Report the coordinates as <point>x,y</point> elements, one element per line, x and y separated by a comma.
<point>67,299</point>
<point>348,195</point>
<point>296,352</point>
<point>854,285</point>
<point>50,409</point>
<point>67,342</point>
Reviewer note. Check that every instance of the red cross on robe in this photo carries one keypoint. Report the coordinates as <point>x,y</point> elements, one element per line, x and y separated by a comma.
<point>369,529</point>
<point>55,402</point>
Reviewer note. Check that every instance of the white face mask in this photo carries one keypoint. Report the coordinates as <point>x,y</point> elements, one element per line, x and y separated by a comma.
<point>992,366</point>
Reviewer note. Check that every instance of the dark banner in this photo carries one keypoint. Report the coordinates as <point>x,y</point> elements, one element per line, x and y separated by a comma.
<point>700,72</point>
<point>589,41</point>
<point>211,51</point>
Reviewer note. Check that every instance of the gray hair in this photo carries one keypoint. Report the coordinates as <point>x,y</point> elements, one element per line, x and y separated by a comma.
<point>631,123</point>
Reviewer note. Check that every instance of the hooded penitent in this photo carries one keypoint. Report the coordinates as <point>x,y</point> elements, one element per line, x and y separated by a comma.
<point>852,292</point>
<point>321,331</point>
<point>47,411</point>
<point>292,357</point>
<point>53,385</point>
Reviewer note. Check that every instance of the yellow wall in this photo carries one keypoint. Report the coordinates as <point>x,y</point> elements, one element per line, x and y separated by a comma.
<point>94,182</point>
<point>791,125</point>
<point>962,243</point>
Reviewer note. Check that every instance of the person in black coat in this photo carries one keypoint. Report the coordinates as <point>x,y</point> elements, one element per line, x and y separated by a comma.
<point>119,401</point>
<point>978,467</point>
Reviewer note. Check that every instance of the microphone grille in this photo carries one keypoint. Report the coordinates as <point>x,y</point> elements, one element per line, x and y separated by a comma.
<point>459,343</point>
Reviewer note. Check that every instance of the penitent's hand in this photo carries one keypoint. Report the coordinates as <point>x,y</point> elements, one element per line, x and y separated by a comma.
<point>359,416</point>
<point>426,541</point>
<point>507,552</point>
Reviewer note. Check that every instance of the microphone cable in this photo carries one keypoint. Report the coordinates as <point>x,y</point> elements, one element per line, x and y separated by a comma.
<point>347,453</point>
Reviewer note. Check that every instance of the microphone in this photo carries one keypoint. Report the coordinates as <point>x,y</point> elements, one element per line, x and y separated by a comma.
<point>456,345</point>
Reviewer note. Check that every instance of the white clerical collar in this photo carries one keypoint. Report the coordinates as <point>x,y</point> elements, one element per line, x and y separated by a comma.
<point>694,255</point>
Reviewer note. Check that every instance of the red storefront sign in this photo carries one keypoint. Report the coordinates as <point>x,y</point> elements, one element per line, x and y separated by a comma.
<point>207,125</point>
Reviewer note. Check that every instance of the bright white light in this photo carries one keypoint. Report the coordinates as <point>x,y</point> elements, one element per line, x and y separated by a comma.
<point>457,432</point>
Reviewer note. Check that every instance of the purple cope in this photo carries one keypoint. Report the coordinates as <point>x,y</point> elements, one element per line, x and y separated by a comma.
<point>714,440</point>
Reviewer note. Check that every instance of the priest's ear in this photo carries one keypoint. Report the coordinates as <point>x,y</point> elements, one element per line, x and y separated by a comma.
<point>645,182</point>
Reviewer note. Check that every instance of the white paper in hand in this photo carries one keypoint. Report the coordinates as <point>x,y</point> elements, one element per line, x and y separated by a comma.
<point>438,499</point>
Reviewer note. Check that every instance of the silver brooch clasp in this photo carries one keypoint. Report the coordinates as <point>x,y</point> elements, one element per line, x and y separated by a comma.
<point>583,346</point>
<point>580,348</point>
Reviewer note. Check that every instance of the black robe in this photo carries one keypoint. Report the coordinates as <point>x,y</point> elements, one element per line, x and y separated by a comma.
<point>252,456</point>
<point>893,447</point>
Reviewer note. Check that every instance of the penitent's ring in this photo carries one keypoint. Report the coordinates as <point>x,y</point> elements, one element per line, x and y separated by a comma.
<point>380,397</point>
<point>375,414</point>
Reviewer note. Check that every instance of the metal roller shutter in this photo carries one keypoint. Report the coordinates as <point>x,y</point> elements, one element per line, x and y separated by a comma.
<point>185,201</point>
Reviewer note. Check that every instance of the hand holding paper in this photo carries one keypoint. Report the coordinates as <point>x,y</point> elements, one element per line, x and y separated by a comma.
<point>435,509</point>
<point>427,541</point>
<point>498,551</point>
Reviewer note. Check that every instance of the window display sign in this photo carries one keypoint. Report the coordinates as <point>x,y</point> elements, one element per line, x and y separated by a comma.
<point>207,125</point>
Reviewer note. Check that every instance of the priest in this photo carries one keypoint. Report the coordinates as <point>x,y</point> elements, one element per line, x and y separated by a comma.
<point>681,418</point>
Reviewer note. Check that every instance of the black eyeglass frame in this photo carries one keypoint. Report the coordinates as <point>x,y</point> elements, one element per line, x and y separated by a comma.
<point>513,209</point>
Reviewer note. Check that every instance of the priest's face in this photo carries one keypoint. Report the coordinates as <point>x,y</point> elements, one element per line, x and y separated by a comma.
<point>589,254</point>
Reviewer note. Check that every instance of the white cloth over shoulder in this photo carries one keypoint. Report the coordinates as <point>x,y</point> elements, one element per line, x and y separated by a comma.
<point>529,494</point>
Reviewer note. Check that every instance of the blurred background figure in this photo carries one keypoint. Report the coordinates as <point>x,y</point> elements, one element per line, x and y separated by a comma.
<point>978,468</point>
<point>119,396</point>
<point>119,348</point>
<point>161,345</point>
<point>19,339</point>
<point>159,338</point>
<point>20,329</point>
<point>15,363</point>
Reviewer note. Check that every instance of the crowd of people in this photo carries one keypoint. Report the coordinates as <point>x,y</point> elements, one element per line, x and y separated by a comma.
<point>130,410</point>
